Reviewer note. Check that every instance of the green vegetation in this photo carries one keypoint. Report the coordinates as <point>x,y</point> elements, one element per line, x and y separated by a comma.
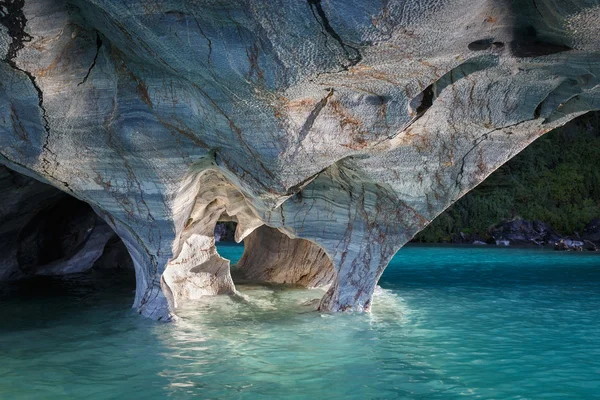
<point>555,180</point>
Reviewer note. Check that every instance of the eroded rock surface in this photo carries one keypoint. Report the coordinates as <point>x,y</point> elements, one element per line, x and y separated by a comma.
<point>350,124</point>
<point>271,256</point>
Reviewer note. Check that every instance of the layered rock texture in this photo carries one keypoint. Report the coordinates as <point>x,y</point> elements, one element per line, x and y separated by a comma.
<point>344,125</point>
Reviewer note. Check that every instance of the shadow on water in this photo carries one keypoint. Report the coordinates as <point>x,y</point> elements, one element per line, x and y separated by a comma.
<point>447,324</point>
<point>48,301</point>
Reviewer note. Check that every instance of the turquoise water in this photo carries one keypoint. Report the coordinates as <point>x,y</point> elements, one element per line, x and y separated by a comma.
<point>447,323</point>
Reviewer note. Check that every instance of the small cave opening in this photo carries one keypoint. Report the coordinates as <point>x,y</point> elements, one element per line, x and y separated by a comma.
<point>227,247</point>
<point>54,245</point>
<point>225,231</point>
<point>269,256</point>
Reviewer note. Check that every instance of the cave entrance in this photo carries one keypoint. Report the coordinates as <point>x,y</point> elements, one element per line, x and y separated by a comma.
<point>268,255</point>
<point>228,248</point>
<point>216,212</point>
<point>46,233</point>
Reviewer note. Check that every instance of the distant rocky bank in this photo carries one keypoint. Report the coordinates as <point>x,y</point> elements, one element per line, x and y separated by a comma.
<point>519,232</point>
<point>548,192</point>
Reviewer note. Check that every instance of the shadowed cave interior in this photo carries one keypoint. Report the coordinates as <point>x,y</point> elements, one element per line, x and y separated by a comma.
<point>46,233</point>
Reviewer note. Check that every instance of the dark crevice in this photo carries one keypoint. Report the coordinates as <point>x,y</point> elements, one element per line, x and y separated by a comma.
<point>308,124</point>
<point>481,44</point>
<point>317,10</point>
<point>205,37</point>
<point>98,46</point>
<point>528,44</point>
<point>536,48</point>
<point>424,100</point>
<point>14,20</point>
<point>538,110</point>
<point>40,95</point>
<point>300,185</point>
<point>427,100</point>
<point>485,44</point>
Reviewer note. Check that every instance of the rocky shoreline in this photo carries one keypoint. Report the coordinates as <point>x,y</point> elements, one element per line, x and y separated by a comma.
<point>524,233</point>
<point>513,233</point>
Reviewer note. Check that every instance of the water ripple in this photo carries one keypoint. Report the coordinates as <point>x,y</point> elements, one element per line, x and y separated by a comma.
<point>446,324</point>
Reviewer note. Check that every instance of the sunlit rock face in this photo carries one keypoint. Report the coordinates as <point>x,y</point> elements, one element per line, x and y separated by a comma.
<point>271,256</point>
<point>350,124</point>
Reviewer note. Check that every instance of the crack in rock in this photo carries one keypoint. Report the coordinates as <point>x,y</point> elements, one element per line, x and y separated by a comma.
<point>13,18</point>
<point>317,11</point>
<point>308,124</point>
<point>98,47</point>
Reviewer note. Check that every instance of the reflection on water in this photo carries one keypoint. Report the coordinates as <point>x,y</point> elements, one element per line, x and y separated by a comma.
<point>447,323</point>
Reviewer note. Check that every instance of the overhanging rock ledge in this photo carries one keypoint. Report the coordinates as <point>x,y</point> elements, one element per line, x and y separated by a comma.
<point>335,128</point>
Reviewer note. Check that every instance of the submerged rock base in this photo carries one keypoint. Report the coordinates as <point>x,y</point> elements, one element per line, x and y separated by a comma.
<point>343,126</point>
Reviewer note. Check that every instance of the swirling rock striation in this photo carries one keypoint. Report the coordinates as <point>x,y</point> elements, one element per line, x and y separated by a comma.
<point>345,124</point>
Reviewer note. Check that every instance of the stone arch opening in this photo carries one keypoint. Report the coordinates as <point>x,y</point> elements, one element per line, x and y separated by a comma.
<point>225,231</point>
<point>46,232</point>
<point>272,256</point>
<point>207,202</point>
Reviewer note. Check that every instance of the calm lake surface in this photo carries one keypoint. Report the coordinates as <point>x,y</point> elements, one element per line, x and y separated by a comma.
<point>447,323</point>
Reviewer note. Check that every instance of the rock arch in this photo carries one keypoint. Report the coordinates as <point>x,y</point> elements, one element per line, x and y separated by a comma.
<point>272,256</point>
<point>206,197</point>
<point>109,104</point>
<point>46,232</point>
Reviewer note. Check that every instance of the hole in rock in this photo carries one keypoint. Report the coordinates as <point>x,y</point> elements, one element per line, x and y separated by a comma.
<point>225,232</point>
<point>228,248</point>
<point>51,243</point>
<point>271,256</point>
<point>269,267</point>
<point>268,255</point>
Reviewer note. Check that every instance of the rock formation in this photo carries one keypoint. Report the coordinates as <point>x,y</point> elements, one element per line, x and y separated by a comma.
<point>46,232</point>
<point>271,256</point>
<point>346,124</point>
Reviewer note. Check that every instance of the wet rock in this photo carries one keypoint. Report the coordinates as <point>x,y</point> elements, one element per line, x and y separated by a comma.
<point>271,256</point>
<point>590,246</point>
<point>346,123</point>
<point>523,232</point>
<point>569,245</point>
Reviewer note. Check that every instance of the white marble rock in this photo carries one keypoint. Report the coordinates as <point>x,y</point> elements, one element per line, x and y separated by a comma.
<point>347,123</point>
